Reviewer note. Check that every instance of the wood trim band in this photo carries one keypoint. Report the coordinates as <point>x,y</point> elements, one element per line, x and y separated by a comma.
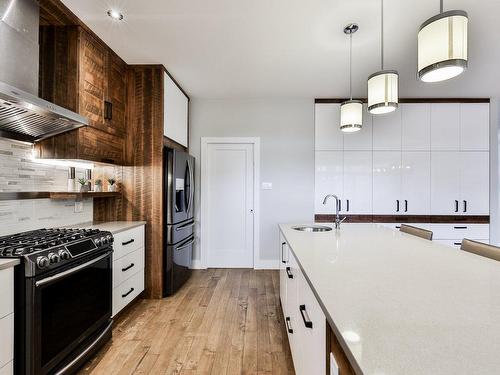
<point>434,219</point>
<point>411,100</point>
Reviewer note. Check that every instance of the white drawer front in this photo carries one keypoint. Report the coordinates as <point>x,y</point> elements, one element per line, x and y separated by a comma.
<point>124,293</point>
<point>128,241</point>
<point>459,231</point>
<point>6,339</point>
<point>6,291</point>
<point>7,369</point>
<point>127,266</point>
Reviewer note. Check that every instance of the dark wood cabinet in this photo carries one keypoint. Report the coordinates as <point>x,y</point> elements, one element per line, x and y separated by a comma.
<point>79,72</point>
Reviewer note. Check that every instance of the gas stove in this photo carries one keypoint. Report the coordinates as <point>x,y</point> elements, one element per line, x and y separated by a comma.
<point>47,249</point>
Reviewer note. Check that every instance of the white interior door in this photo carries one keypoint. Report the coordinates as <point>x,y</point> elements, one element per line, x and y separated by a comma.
<point>230,204</point>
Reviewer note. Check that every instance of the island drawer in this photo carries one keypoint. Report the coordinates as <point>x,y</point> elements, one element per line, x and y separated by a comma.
<point>128,241</point>
<point>459,231</point>
<point>127,266</point>
<point>6,291</point>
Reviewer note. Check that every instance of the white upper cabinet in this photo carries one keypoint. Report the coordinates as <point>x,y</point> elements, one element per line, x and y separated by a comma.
<point>387,131</point>
<point>328,179</point>
<point>175,112</point>
<point>474,127</point>
<point>445,126</point>
<point>416,126</point>
<point>387,182</point>
<point>415,183</point>
<point>445,183</point>
<point>328,135</point>
<point>357,196</point>
<point>474,183</point>
<point>362,139</point>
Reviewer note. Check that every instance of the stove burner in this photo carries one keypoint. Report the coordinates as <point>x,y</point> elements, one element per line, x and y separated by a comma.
<point>19,244</point>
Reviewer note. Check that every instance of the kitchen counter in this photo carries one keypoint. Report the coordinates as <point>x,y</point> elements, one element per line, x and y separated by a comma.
<point>400,304</point>
<point>111,226</point>
<point>7,263</point>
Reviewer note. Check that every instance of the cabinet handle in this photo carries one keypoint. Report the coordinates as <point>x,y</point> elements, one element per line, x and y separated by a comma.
<point>406,205</point>
<point>456,205</point>
<point>126,294</point>
<point>464,227</point>
<point>128,267</point>
<point>127,242</point>
<point>289,273</point>
<point>303,312</point>
<point>465,206</point>
<point>457,243</point>
<point>108,110</point>
<point>288,326</point>
<point>348,205</point>
<point>398,226</point>
<point>397,205</point>
<point>340,204</point>
<point>282,253</point>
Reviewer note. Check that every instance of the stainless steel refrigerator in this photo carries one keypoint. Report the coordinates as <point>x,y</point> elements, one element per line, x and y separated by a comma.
<point>178,216</point>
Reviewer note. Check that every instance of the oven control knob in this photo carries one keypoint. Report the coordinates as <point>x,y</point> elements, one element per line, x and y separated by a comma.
<point>53,258</point>
<point>42,261</point>
<point>103,240</point>
<point>97,241</point>
<point>109,238</point>
<point>64,255</point>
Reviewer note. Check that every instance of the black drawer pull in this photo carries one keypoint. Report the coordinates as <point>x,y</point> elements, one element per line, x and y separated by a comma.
<point>464,227</point>
<point>288,327</point>
<point>127,242</point>
<point>398,226</point>
<point>126,294</point>
<point>282,253</point>
<point>456,205</point>
<point>457,243</point>
<point>465,206</point>
<point>289,273</point>
<point>128,267</point>
<point>303,312</point>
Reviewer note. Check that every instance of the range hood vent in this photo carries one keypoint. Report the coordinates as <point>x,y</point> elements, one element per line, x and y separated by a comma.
<point>28,118</point>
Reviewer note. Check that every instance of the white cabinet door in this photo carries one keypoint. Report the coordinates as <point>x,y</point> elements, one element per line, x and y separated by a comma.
<point>175,112</point>
<point>474,126</point>
<point>292,320</point>
<point>328,135</point>
<point>445,183</point>
<point>387,131</point>
<point>328,179</point>
<point>415,126</point>
<point>386,182</point>
<point>362,139</point>
<point>416,182</point>
<point>357,182</point>
<point>283,249</point>
<point>312,331</point>
<point>474,183</point>
<point>445,126</point>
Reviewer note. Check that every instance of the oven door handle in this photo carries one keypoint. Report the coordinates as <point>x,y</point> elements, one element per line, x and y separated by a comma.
<point>70,271</point>
<point>87,349</point>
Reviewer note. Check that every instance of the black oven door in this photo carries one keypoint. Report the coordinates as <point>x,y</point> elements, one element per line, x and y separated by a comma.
<point>69,307</point>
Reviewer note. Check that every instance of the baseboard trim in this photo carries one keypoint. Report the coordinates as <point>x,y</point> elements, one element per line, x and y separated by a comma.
<point>196,265</point>
<point>266,264</point>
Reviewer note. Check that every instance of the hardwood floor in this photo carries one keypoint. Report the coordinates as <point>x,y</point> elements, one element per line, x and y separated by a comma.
<point>223,321</point>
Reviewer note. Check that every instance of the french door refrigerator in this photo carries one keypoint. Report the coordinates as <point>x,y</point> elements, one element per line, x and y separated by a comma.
<point>178,216</point>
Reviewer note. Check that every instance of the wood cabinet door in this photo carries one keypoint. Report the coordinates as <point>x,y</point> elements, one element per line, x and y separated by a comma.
<point>116,98</point>
<point>99,146</point>
<point>92,82</point>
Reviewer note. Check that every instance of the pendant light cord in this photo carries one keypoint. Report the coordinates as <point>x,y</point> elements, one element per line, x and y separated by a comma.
<point>382,34</point>
<point>350,65</point>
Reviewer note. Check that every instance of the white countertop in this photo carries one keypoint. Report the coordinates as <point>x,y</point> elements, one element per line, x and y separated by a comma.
<point>415,306</point>
<point>111,226</point>
<point>7,263</point>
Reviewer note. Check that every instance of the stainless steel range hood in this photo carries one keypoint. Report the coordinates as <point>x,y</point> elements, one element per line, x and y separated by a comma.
<point>24,116</point>
<point>27,118</point>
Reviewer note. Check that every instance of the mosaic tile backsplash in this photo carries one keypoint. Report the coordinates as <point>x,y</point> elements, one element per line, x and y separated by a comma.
<point>18,172</point>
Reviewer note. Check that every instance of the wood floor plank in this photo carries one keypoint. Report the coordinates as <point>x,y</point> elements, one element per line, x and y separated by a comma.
<point>223,321</point>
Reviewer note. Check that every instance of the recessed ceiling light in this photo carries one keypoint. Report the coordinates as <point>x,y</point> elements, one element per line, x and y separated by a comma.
<point>114,14</point>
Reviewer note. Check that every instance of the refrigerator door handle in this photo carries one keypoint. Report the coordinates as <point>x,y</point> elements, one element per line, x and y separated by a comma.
<point>191,187</point>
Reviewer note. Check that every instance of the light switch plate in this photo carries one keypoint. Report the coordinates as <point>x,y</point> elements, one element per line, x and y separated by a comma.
<point>78,206</point>
<point>334,368</point>
<point>267,186</point>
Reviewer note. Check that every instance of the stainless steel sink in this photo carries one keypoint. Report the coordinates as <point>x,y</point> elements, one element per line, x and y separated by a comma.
<point>312,228</point>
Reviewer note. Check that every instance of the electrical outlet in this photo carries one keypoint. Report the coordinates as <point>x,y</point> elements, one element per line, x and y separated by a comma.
<point>267,186</point>
<point>78,206</point>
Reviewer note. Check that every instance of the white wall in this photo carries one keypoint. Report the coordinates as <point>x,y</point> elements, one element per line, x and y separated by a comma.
<point>286,131</point>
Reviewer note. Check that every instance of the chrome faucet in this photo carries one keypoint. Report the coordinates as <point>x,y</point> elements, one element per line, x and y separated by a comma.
<point>338,220</point>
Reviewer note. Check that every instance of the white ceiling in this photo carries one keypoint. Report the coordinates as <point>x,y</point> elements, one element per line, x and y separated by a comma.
<point>291,48</point>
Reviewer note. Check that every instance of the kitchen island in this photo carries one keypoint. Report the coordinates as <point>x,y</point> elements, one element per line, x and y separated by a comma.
<point>398,304</point>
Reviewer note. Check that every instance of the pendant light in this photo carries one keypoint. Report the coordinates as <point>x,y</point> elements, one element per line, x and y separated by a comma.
<point>351,111</point>
<point>442,46</point>
<point>382,85</point>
